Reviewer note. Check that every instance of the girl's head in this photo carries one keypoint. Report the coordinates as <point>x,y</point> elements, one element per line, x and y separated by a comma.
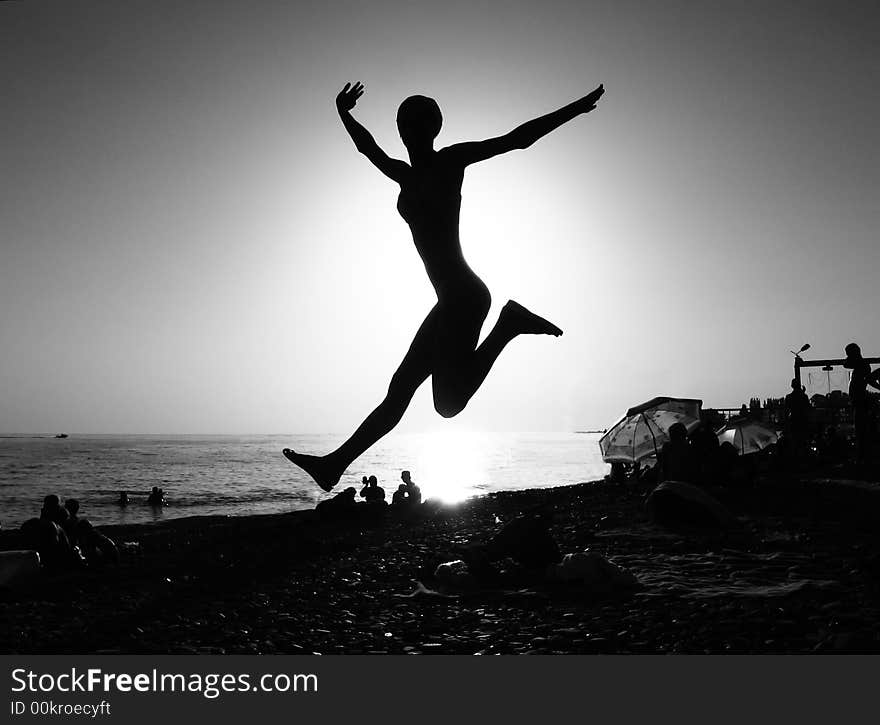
<point>418,120</point>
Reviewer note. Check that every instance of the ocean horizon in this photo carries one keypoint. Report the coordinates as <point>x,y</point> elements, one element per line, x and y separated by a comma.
<point>239,475</point>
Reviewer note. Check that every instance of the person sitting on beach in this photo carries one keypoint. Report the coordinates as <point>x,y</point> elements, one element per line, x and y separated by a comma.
<point>526,540</point>
<point>97,548</point>
<point>53,510</point>
<point>51,542</point>
<point>646,472</point>
<point>342,505</point>
<point>372,492</point>
<point>704,446</point>
<point>414,493</point>
<point>72,506</point>
<point>728,462</point>
<point>676,456</point>
<point>400,497</point>
<point>617,473</point>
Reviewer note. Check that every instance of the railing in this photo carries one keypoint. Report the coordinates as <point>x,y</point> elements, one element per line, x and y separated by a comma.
<point>798,364</point>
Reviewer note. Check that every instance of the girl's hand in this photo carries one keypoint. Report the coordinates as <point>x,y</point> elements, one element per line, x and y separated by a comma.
<point>348,96</point>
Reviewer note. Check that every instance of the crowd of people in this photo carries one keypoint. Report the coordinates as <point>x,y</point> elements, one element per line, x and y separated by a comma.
<point>406,498</point>
<point>698,457</point>
<point>805,440</point>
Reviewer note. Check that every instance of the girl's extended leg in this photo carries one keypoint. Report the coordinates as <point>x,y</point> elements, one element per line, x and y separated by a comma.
<point>413,371</point>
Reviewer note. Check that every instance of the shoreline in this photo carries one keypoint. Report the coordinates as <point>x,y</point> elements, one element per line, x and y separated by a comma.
<point>173,520</point>
<point>221,475</point>
<point>802,575</point>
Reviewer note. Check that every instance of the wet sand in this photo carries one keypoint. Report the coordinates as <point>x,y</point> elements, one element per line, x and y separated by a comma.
<point>803,575</point>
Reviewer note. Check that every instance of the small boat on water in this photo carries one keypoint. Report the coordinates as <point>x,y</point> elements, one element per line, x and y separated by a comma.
<point>61,435</point>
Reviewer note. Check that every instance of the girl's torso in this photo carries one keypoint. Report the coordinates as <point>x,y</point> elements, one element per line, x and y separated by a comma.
<point>430,203</point>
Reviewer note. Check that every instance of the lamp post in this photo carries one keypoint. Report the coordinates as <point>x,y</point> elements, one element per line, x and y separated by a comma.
<point>798,361</point>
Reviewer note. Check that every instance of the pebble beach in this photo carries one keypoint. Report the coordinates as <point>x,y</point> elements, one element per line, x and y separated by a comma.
<point>802,574</point>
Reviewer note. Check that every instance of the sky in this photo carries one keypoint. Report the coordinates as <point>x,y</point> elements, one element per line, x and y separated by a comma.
<point>190,243</point>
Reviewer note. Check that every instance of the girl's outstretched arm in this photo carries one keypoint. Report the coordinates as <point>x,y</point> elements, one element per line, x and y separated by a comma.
<point>525,135</point>
<point>363,139</point>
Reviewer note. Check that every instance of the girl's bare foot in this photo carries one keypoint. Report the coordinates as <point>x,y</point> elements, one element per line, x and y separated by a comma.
<point>318,467</point>
<point>523,322</point>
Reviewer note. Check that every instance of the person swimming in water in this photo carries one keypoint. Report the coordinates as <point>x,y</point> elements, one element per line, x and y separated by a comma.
<point>445,346</point>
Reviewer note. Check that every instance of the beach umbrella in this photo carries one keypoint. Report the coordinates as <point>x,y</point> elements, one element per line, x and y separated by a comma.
<point>643,430</point>
<point>747,435</point>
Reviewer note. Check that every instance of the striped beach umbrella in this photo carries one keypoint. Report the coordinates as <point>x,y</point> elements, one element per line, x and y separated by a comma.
<point>643,430</point>
<point>747,435</point>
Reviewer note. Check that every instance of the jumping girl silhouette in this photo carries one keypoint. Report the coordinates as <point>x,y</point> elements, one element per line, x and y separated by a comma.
<point>445,346</point>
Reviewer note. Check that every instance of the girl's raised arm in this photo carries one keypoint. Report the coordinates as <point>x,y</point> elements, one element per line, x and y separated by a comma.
<point>363,139</point>
<point>525,135</point>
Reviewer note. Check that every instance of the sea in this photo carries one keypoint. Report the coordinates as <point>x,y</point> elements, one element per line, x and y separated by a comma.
<point>244,475</point>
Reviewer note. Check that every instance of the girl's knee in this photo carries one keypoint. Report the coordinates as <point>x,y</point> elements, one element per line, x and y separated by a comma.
<point>449,405</point>
<point>448,410</point>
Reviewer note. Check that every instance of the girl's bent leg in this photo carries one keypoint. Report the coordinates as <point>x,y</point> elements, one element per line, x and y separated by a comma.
<point>460,370</point>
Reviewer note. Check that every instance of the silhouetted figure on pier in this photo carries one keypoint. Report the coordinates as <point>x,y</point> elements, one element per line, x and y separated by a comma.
<point>797,413</point>
<point>445,346</point>
<point>862,405</point>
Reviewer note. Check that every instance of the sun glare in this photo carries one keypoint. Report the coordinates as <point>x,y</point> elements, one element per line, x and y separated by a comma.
<point>451,466</point>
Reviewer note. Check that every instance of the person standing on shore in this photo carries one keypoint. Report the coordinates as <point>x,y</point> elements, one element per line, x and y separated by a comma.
<point>446,347</point>
<point>860,400</point>
<point>797,413</point>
